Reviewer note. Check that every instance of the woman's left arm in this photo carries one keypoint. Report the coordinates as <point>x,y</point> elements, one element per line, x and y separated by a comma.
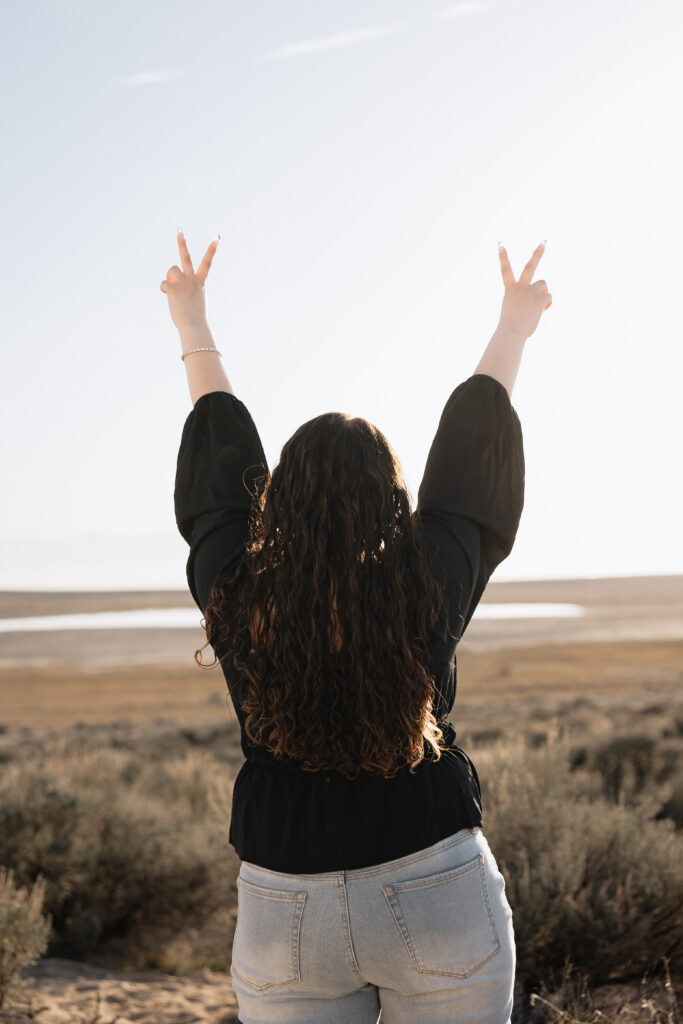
<point>205,371</point>
<point>187,305</point>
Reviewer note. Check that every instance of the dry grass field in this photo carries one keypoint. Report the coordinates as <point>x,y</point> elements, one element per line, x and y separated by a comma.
<point>118,753</point>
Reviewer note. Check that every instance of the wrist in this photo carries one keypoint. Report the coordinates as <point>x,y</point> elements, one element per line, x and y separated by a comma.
<point>509,333</point>
<point>193,334</point>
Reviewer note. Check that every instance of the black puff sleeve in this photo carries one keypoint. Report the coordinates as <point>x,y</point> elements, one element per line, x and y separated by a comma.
<point>471,497</point>
<point>219,461</point>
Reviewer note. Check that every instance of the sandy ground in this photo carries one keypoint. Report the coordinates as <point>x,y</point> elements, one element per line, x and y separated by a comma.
<point>62,695</point>
<point>628,645</point>
<point>71,993</point>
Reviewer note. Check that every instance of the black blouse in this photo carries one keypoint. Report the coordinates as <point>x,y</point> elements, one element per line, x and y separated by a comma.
<point>469,505</point>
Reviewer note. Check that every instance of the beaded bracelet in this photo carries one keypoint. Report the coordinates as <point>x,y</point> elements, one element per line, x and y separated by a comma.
<point>203,348</point>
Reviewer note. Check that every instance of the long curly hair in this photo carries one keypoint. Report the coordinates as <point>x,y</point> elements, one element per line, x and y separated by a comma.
<point>327,616</point>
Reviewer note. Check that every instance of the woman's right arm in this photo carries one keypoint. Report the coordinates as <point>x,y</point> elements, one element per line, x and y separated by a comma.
<point>523,304</point>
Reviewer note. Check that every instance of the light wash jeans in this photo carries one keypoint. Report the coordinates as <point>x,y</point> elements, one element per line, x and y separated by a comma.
<point>423,939</point>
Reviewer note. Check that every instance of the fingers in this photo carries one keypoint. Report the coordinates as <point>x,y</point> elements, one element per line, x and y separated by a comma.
<point>528,272</point>
<point>184,254</point>
<point>203,268</point>
<point>174,272</point>
<point>541,290</point>
<point>505,268</point>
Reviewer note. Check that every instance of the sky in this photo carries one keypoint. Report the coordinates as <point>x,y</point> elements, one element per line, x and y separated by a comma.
<point>361,161</point>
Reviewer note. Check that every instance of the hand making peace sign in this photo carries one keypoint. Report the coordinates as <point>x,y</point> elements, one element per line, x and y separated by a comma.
<point>523,301</point>
<point>185,288</point>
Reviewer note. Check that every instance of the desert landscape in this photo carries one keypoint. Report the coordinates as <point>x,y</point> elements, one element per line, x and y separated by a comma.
<point>118,755</point>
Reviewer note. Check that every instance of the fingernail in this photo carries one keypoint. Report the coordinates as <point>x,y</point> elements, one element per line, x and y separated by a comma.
<point>217,238</point>
<point>180,232</point>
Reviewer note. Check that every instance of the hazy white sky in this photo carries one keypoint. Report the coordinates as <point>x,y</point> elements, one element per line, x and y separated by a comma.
<point>361,161</point>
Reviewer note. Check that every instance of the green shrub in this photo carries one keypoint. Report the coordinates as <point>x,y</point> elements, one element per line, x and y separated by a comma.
<point>118,842</point>
<point>629,764</point>
<point>589,882</point>
<point>130,830</point>
<point>24,931</point>
<point>672,806</point>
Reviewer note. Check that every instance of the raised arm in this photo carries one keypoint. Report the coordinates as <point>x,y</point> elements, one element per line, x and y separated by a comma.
<point>185,291</point>
<point>523,304</point>
<point>205,371</point>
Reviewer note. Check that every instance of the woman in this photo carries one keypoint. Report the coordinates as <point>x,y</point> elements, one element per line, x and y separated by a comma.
<point>366,882</point>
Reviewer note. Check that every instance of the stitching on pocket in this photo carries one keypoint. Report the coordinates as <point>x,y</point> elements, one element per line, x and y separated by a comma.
<point>442,876</point>
<point>392,896</point>
<point>298,901</point>
<point>268,894</point>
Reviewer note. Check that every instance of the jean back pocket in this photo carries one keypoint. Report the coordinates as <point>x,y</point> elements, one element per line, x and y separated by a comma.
<point>265,947</point>
<point>445,920</point>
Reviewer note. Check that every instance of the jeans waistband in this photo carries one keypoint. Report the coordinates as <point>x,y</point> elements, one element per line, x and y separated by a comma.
<point>254,872</point>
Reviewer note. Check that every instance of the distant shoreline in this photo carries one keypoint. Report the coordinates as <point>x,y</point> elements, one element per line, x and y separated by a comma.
<point>579,590</point>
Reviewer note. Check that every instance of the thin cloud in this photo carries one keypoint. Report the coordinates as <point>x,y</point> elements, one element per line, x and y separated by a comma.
<point>463,9</point>
<point>359,35</point>
<point>149,77</point>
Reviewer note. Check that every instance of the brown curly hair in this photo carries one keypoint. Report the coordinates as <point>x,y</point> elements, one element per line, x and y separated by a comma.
<point>328,613</point>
